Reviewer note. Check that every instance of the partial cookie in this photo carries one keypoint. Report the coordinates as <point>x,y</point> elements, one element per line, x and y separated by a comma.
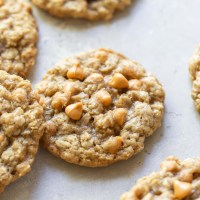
<point>18,37</point>
<point>195,75</point>
<point>99,108</point>
<point>176,180</point>
<point>85,9</point>
<point>21,127</point>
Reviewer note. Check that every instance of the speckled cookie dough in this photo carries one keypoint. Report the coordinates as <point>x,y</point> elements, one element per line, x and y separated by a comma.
<point>21,119</point>
<point>99,108</point>
<point>18,37</point>
<point>195,75</point>
<point>176,180</point>
<point>85,9</point>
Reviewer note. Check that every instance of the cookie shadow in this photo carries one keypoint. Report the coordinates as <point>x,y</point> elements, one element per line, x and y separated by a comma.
<point>80,24</point>
<point>120,169</point>
<point>24,187</point>
<point>33,70</point>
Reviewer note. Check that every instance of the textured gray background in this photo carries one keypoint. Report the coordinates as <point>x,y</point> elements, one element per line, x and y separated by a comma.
<point>162,36</point>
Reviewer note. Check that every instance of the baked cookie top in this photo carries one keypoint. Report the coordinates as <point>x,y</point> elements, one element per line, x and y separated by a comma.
<point>21,119</point>
<point>176,180</point>
<point>85,9</point>
<point>99,108</point>
<point>194,68</point>
<point>18,37</point>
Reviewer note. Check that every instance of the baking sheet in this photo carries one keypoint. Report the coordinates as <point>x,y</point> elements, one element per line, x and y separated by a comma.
<point>159,34</point>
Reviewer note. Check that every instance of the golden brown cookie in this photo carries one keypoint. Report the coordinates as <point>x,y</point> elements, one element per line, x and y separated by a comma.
<point>99,108</point>
<point>176,180</point>
<point>18,37</point>
<point>21,127</point>
<point>85,9</point>
<point>194,68</point>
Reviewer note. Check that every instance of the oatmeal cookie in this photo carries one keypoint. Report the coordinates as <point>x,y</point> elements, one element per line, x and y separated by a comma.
<point>194,68</point>
<point>18,37</point>
<point>21,119</point>
<point>176,180</point>
<point>99,108</point>
<point>85,9</point>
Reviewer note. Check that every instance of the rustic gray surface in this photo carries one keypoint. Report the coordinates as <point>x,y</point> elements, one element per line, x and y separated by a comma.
<point>162,36</point>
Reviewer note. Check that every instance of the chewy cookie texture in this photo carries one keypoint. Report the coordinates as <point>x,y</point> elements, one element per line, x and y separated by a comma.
<point>177,180</point>
<point>85,9</point>
<point>195,75</point>
<point>21,127</point>
<point>18,37</point>
<point>99,107</point>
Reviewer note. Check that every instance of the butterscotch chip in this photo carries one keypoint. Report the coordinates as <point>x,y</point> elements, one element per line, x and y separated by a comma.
<point>118,81</point>
<point>170,182</point>
<point>18,37</point>
<point>112,122</point>
<point>74,111</point>
<point>194,69</point>
<point>120,115</point>
<point>182,189</point>
<point>21,127</point>
<point>113,144</point>
<point>102,56</point>
<point>60,100</point>
<point>104,97</point>
<point>76,72</point>
<point>85,9</point>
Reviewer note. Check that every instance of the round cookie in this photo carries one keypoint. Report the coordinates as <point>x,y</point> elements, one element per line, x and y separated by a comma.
<point>85,9</point>
<point>99,108</point>
<point>176,180</point>
<point>18,37</point>
<point>21,127</point>
<point>194,68</point>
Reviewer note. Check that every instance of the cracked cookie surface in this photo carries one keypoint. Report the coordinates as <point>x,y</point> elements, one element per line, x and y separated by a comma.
<point>18,37</point>
<point>99,108</point>
<point>194,68</point>
<point>85,9</point>
<point>21,119</point>
<point>176,180</point>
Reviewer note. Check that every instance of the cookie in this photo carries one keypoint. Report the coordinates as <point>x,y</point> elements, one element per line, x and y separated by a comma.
<point>99,108</point>
<point>194,68</point>
<point>176,180</point>
<point>85,9</point>
<point>18,37</point>
<point>21,127</point>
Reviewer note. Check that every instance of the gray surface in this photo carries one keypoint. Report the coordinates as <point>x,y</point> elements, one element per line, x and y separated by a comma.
<point>162,36</point>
